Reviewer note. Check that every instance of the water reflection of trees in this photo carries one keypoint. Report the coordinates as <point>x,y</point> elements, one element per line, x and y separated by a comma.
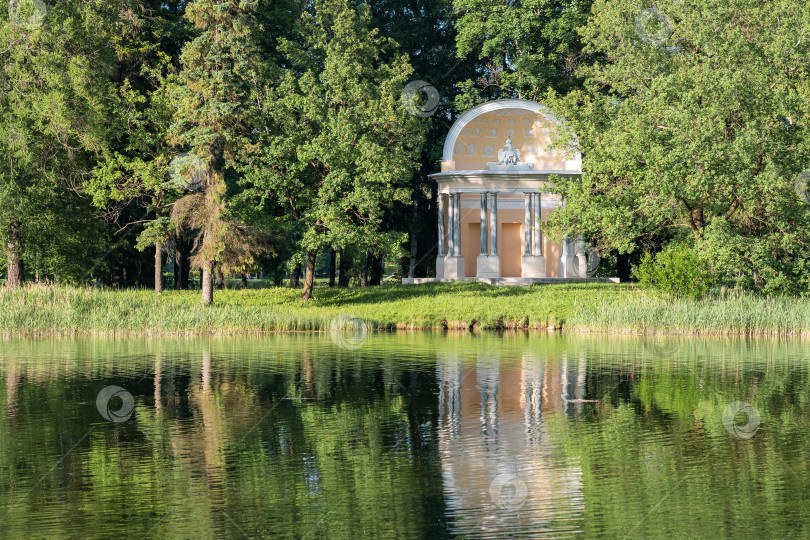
<point>289,435</point>
<point>308,441</point>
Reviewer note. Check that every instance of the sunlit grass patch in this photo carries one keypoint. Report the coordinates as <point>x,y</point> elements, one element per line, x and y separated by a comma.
<point>600,307</point>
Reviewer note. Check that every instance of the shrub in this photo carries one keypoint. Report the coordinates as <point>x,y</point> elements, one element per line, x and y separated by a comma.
<point>677,272</point>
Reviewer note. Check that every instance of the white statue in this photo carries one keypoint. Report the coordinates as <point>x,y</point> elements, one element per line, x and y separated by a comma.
<point>509,155</point>
<point>509,160</point>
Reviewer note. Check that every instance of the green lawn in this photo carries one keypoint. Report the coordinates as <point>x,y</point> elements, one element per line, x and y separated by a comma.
<point>595,307</point>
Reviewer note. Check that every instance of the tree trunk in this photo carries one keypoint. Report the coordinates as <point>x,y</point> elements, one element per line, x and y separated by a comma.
<point>345,266</point>
<point>178,270</point>
<point>376,268</point>
<point>364,271</point>
<point>16,272</point>
<point>158,268</point>
<point>244,280</point>
<point>332,261</point>
<point>295,276</point>
<point>414,241</point>
<point>220,278</point>
<point>623,267</point>
<point>181,263</point>
<point>185,281</point>
<point>207,284</point>
<point>309,280</point>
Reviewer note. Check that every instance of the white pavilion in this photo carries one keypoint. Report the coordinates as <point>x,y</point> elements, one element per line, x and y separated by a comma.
<point>493,196</point>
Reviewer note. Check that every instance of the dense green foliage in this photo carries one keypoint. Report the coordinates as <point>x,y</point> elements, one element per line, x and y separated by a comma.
<point>693,126</point>
<point>676,271</point>
<point>241,137</point>
<point>341,147</point>
<point>55,91</point>
<point>525,47</point>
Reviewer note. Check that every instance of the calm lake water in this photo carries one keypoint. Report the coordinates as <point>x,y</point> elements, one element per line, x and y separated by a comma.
<point>404,435</point>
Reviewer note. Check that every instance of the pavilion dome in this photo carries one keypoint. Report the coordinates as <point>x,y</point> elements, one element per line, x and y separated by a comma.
<point>478,135</point>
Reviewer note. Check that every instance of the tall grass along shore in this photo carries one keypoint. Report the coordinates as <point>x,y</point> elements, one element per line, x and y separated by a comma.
<point>590,307</point>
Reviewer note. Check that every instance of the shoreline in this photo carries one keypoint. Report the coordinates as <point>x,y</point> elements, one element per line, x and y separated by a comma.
<point>587,308</point>
<point>402,330</point>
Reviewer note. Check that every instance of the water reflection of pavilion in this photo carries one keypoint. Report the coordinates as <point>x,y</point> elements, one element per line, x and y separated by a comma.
<point>493,425</point>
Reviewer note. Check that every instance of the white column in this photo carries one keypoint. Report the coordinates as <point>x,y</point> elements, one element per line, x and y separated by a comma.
<point>582,259</point>
<point>453,264</point>
<point>538,239</point>
<point>527,225</point>
<point>442,249</point>
<point>534,264</point>
<point>484,223</point>
<point>493,224</point>
<point>488,265</point>
<point>458,224</point>
<point>451,225</point>
<point>568,264</point>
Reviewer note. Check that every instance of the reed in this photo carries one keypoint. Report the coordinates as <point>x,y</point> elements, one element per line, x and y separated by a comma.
<point>721,313</point>
<point>588,307</point>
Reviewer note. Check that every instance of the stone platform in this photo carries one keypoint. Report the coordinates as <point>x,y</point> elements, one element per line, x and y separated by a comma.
<point>520,281</point>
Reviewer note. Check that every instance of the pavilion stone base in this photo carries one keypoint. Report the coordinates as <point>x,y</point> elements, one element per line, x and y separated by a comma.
<point>440,267</point>
<point>568,267</point>
<point>534,266</point>
<point>582,264</point>
<point>489,266</point>
<point>511,280</point>
<point>454,267</point>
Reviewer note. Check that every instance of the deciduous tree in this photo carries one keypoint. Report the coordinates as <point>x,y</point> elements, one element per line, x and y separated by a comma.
<point>696,123</point>
<point>340,146</point>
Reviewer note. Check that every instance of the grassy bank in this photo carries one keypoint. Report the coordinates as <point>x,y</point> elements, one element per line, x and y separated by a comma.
<point>580,307</point>
<point>728,313</point>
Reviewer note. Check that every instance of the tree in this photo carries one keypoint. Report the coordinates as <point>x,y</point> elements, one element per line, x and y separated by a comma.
<point>340,147</point>
<point>138,181</point>
<point>55,89</point>
<point>525,47</point>
<point>426,31</point>
<point>215,115</point>
<point>695,124</point>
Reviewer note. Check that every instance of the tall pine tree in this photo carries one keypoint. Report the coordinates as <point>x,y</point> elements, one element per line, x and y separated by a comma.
<point>215,96</point>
